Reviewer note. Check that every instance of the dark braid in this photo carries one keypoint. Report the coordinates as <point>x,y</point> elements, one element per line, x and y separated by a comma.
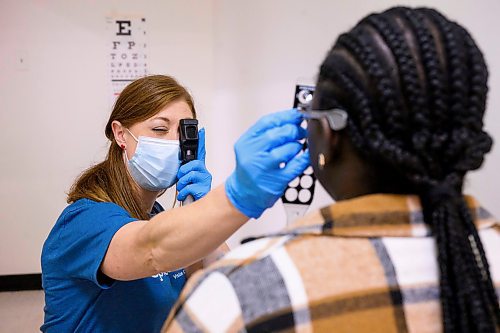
<point>458,259</point>
<point>424,123</point>
<point>477,90</point>
<point>411,85</point>
<point>437,139</point>
<point>375,137</point>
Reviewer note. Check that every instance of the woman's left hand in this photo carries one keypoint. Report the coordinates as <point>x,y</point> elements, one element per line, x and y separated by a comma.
<point>194,178</point>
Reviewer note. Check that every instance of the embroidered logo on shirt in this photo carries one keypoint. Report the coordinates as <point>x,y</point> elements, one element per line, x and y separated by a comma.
<point>160,276</point>
<point>177,275</point>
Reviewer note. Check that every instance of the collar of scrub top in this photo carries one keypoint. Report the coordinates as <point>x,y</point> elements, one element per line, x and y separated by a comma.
<point>337,118</point>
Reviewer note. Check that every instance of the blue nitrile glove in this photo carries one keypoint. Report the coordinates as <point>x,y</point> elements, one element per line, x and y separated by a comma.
<point>193,176</point>
<point>258,181</point>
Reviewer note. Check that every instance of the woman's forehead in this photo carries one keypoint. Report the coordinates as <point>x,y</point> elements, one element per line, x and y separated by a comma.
<point>173,112</point>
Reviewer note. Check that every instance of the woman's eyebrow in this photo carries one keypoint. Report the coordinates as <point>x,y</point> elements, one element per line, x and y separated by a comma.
<point>165,119</point>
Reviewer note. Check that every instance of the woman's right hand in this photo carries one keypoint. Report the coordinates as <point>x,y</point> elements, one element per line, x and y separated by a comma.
<point>260,177</point>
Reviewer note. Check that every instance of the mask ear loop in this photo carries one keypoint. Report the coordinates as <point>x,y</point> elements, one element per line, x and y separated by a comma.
<point>123,146</point>
<point>136,140</point>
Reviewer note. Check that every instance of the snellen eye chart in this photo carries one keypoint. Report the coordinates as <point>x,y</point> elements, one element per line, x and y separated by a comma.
<point>127,48</point>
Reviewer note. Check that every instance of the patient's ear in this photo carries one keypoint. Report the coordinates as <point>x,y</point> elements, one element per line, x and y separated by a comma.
<point>335,140</point>
<point>323,144</point>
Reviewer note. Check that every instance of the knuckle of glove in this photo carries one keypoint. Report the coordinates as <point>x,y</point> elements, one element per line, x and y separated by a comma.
<point>198,164</point>
<point>268,136</point>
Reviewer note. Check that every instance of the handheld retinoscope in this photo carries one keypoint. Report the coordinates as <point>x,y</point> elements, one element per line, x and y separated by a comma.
<point>188,139</point>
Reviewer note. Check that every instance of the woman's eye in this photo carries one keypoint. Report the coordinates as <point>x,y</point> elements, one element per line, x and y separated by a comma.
<point>161,129</point>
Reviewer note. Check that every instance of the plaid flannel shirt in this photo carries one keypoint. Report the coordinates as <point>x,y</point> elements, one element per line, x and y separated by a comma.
<point>361,265</point>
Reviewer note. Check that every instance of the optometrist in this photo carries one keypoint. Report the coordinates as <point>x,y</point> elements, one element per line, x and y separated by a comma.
<point>114,260</point>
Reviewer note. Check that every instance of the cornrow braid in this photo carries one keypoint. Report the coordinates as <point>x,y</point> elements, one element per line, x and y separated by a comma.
<point>437,92</point>
<point>356,95</point>
<point>412,88</point>
<point>425,123</point>
<point>376,139</point>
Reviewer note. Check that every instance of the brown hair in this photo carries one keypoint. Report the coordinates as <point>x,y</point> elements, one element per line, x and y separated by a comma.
<point>108,181</point>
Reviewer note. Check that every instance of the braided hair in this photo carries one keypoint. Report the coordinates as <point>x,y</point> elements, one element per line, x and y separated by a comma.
<point>414,85</point>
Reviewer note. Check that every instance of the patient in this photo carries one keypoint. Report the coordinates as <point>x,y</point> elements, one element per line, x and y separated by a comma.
<point>395,125</point>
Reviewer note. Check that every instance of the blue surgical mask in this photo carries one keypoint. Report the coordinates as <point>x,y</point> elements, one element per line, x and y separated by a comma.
<point>155,163</point>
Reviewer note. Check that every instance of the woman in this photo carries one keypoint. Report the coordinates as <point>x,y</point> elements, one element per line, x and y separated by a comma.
<point>113,261</point>
<point>397,124</point>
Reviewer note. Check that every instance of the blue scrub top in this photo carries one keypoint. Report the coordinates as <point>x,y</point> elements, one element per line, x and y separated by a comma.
<point>78,297</point>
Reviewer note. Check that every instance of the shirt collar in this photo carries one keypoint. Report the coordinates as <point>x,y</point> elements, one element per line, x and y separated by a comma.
<point>380,215</point>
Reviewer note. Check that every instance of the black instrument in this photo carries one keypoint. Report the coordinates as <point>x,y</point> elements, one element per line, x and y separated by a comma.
<point>299,193</point>
<point>188,139</point>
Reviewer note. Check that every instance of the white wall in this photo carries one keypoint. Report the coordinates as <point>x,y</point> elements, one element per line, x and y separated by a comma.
<point>240,59</point>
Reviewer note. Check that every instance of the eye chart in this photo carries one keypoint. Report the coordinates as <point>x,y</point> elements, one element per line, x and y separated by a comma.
<point>127,51</point>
